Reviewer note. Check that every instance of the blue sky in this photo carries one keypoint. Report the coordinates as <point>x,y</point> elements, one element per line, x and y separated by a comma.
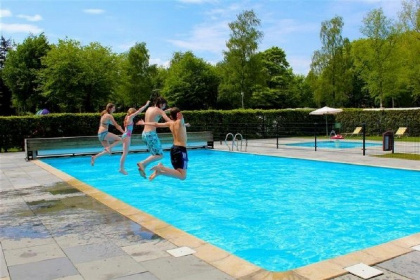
<point>200,26</point>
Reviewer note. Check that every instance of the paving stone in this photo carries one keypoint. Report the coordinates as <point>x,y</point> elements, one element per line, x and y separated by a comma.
<point>17,217</point>
<point>139,276</point>
<point>45,270</point>
<point>33,254</point>
<point>68,221</point>
<point>29,227</point>
<point>5,184</point>
<point>23,183</point>
<point>3,267</point>
<point>188,267</point>
<point>93,252</point>
<point>73,277</point>
<point>126,233</point>
<point>110,268</point>
<point>150,250</point>
<point>77,239</point>
<point>387,275</point>
<point>407,265</point>
<point>17,243</point>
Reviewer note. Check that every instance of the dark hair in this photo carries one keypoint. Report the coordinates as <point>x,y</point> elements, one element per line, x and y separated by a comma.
<point>108,108</point>
<point>160,101</point>
<point>173,113</point>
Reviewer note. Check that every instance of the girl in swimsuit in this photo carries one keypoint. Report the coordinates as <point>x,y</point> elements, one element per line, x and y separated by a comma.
<point>104,135</point>
<point>129,124</point>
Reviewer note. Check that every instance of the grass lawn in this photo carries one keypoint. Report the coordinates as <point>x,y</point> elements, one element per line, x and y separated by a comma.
<point>401,156</point>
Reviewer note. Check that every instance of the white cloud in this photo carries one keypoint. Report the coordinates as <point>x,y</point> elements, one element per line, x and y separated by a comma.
<point>211,38</point>
<point>159,62</point>
<point>300,65</point>
<point>30,18</point>
<point>227,12</point>
<point>390,7</point>
<point>20,28</point>
<point>5,13</point>
<point>125,46</point>
<point>94,11</point>
<point>288,26</point>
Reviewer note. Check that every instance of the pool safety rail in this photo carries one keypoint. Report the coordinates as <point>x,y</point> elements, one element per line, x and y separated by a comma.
<point>88,145</point>
<point>235,140</point>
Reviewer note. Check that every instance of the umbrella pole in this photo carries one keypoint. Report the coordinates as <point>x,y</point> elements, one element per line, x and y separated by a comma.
<point>326,126</point>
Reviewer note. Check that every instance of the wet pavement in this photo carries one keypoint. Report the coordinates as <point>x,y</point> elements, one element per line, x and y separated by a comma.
<point>51,230</point>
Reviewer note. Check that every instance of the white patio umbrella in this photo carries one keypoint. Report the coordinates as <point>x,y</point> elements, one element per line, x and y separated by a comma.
<point>326,111</point>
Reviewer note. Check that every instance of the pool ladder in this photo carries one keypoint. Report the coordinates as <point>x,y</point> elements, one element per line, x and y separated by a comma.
<point>235,139</point>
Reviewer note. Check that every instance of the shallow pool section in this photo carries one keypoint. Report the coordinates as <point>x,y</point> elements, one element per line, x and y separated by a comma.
<point>335,144</point>
<point>278,213</point>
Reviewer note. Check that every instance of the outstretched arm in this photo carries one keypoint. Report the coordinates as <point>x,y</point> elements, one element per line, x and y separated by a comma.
<point>142,108</point>
<point>114,123</point>
<point>139,110</point>
<point>155,124</point>
<point>165,116</point>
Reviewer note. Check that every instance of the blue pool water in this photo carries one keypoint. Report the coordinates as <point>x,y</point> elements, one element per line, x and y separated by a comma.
<point>335,144</point>
<point>277,213</point>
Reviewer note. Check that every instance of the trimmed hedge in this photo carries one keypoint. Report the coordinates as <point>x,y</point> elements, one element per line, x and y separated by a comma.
<point>250,123</point>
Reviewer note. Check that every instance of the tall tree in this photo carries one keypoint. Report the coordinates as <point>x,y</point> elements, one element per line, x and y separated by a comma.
<point>239,67</point>
<point>408,47</point>
<point>76,78</point>
<point>276,91</point>
<point>99,82</point>
<point>191,83</point>
<point>20,73</point>
<point>374,57</point>
<point>5,93</point>
<point>331,65</point>
<point>138,80</point>
<point>410,16</point>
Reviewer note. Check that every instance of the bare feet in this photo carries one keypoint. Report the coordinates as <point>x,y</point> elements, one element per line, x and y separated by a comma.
<point>108,150</point>
<point>141,170</point>
<point>157,171</point>
<point>154,175</point>
<point>123,172</point>
<point>92,160</point>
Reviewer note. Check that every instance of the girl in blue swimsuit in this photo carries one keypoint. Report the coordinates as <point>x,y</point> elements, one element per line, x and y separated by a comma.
<point>104,135</point>
<point>129,125</point>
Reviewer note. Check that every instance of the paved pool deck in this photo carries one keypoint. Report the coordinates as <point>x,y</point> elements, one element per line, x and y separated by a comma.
<point>55,227</point>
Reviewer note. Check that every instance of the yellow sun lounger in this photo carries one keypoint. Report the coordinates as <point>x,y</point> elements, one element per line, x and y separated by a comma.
<point>401,131</point>
<point>357,131</point>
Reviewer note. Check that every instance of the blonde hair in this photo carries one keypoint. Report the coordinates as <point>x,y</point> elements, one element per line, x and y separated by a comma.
<point>129,112</point>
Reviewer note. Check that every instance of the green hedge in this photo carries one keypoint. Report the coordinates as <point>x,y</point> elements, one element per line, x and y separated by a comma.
<point>251,123</point>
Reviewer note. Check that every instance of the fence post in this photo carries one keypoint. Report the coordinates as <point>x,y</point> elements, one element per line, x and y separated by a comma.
<point>315,135</point>
<point>364,137</point>
<point>277,135</point>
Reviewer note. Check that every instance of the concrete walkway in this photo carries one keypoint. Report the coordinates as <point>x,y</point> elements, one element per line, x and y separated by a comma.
<point>51,230</point>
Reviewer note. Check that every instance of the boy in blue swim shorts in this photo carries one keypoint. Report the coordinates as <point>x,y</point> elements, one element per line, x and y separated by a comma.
<point>153,114</point>
<point>179,156</point>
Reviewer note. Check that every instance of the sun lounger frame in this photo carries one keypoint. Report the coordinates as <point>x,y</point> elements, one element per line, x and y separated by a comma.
<point>73,145</point>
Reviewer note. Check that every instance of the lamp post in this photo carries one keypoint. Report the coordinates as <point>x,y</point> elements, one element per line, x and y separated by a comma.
<point>242,95</point>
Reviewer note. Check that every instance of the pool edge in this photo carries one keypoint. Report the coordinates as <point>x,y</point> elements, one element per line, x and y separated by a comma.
<point>229,263</point>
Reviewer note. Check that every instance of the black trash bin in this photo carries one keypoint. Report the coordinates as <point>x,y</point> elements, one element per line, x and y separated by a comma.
<point>388,141</point>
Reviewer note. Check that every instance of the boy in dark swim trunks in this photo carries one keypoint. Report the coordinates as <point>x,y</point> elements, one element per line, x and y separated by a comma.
<point>179,156</point>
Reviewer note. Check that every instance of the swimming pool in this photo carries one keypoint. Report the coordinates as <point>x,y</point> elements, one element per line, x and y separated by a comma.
<point>277,213</point>
<point>335,144</point>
